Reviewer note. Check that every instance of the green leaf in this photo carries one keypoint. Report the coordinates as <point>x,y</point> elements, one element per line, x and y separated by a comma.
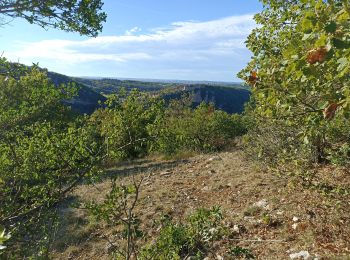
<point>340,44</point>
<point>331,27</point>
<point>322,41</point>
<point>343,17</point>
<point>343,63</point>
<point>3,237</point>
<point>308,36</point>
<point>307,26</point>
<point>309,21</point>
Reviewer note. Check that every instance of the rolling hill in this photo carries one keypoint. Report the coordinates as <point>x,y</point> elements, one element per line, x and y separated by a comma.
<point>229,97</point>
<point>87,100</point>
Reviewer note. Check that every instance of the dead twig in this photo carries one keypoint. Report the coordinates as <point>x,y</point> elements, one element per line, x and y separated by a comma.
<point>259,240</point>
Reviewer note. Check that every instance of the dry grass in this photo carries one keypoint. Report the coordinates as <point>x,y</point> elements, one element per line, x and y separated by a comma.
<point>230,181</point>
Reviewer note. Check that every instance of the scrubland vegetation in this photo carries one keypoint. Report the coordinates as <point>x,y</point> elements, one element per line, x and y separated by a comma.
<point>296,125</point>
<point>47,150</point>
<point>300,104</point>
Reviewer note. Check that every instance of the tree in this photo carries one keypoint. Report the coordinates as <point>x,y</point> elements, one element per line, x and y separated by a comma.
<point>300,85</point>
<point>126,122</point>
<point>45,152</point>
<point>83,16</point>
<point>45,149</point>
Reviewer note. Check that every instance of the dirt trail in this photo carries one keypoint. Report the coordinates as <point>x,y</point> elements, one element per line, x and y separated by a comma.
<point>272,216</point>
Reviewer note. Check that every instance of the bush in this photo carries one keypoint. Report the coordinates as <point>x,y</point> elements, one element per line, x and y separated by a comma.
<point>45,151</point>
<point>300,106</point>
<point>337,148</point>
<point>193,238</point>
<point>117,210</point>
<point>202,129</point>
<point>124,124</point>
<point>241,253</point>
<point>136,124</point>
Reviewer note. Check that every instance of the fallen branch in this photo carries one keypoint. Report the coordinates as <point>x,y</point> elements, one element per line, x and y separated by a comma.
<point>260,240</point>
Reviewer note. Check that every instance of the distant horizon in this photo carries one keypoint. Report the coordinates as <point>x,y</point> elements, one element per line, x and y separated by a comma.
<point>156,79</point>
<point>190,40</point>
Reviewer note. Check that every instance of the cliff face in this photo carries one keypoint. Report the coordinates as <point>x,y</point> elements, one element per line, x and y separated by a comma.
<point>228,99</point>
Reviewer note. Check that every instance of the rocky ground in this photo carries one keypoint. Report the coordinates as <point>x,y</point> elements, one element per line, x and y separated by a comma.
<point>271,216</point>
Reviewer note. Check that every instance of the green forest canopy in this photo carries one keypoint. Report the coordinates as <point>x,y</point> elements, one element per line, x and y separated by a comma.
<point>83,16</point>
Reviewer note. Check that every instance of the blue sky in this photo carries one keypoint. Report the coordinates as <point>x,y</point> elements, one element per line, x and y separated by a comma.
<point>178,39</point>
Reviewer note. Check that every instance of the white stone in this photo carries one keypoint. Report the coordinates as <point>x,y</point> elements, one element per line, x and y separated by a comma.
<point>295,225</point>
<point>261,204</point>
<point>214,158</point>
<point>301,254</point>
<point>295,219</point>
<point>219,257</point>
<point>206,188</point>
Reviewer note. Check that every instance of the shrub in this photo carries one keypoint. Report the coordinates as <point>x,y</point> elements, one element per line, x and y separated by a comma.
<point>202,129</point>
<point>117,210</point>
<point>136,124</point>
<point>45,151</point>
<point>124,124</point>
<point>193,238</point>
<point>299,77</point>
<point>241,252</point>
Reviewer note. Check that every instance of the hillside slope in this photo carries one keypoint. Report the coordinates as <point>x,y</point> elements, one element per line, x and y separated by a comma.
<point>229,97</point>
<point>271,216</point>
<point>87,100</point>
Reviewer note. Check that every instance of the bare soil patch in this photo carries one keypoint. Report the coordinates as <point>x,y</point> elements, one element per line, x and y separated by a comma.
<point>273,216</point>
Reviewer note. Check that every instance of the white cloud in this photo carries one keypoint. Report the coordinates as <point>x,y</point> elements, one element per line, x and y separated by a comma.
<point>191,41</point>
<point>133,30</point>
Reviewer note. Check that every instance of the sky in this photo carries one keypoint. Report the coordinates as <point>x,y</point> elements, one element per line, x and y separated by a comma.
<point>148,39</point>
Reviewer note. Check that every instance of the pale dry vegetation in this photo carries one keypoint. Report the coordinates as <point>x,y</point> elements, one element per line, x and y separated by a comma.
<point>258,207</point>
